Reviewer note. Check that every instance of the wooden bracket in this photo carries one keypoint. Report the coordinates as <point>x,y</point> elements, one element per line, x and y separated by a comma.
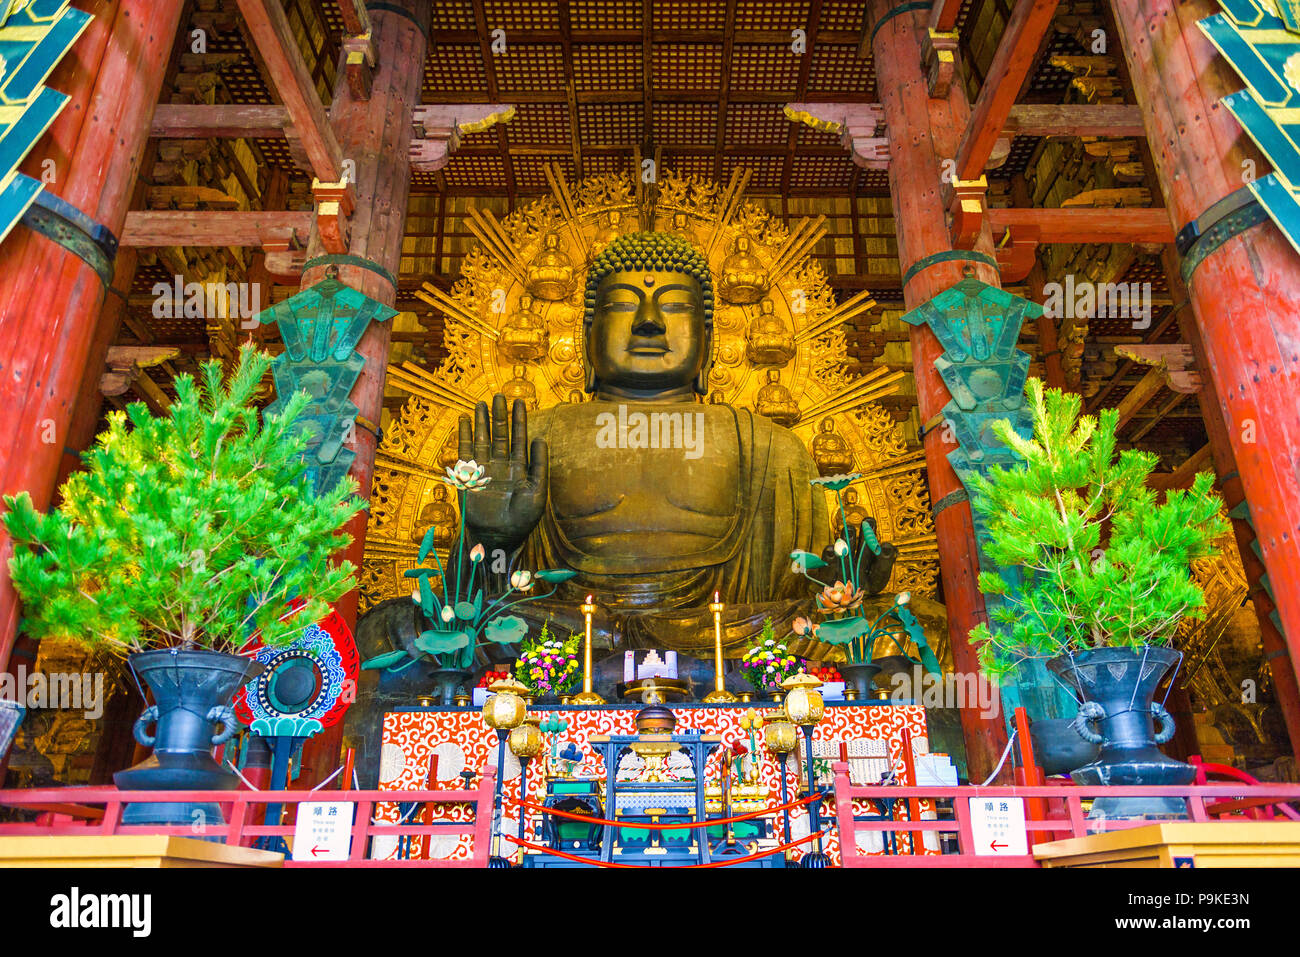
<point>285,255</point>
<point>439,127</point>
<point>125,370</point>
<point>966,208</point>
<point>334,205</point>
<point>360,65</point>
<point>1174,363</point>
<point>939,56</point>
<point>1016,253</point>
<point>855,122</point>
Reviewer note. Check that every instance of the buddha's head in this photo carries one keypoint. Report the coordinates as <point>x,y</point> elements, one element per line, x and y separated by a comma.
<point>648,322</point>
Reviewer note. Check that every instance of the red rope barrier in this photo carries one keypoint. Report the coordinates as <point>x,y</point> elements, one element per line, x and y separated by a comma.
<point>710,822</point>
<point>727,862</point>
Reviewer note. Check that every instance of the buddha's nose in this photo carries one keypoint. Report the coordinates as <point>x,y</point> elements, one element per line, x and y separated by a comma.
<point>648,321</point>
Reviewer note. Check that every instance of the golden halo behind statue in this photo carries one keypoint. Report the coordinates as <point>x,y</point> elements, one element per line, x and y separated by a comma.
<point>513,324</point>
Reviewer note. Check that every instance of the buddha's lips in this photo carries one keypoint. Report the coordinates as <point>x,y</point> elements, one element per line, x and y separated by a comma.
<point>648,347</point>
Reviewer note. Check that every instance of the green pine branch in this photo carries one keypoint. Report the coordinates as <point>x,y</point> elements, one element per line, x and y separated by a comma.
<point>193,529</point>
<point>1104,563</point>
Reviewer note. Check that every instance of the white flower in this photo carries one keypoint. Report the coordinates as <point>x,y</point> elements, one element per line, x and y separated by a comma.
<point>841,547</point>
<point>415,595</point>
<point>477,553</point>
<point>467,476</point>
<point>903,597</point>
<point>447,613</point>
<point>522,580</point>
<point>769,643</point>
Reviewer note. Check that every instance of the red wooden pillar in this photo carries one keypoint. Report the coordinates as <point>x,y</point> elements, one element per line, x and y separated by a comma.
<point>375,134</point>
<point>1245,295</point>
<point>50,300</point>
<point>923,133</point>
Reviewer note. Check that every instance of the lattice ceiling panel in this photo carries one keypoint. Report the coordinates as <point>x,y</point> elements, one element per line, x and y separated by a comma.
<point>772,14</point>
<point>842,15</point>
<point>522,14</point>
<point>530,67</point>
<point>597,164</point>
<point>530,171</point>
<point>686,66</point>
<point>1049,83</point>
<point>822,172</point>
<point>610,123</point>
<point>476,170</point>
<point>606,67</point>
<point>766,170</point>
<point>1148,270</point>
<point>873,180</point>
<point>276,153</point>
<point>453,68</point>
<point>764,69</point>
<point>836,68</point>
<point>692,164</point>
<point>761,124</point>
<point>689,14</point>
<point>807,136</point>
<point>243,80</point>
<point>1018,160</point>
<point>453,15</point>
<point>605,14</point>
<point>538,123</point>
<point>690,124</point>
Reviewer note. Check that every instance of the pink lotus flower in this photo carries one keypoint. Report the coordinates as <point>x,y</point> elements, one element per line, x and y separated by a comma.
<point>839,597</point>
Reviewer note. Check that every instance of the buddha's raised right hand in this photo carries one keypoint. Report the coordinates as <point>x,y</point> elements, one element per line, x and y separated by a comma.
<point>503,514</point>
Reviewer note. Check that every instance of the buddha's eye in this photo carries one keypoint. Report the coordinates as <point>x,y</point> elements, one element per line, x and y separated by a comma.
<point>621,307</point>
<point>677,307</point>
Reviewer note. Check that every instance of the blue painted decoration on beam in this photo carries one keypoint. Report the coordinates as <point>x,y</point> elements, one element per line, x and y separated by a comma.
<point>33,39</point>
<point>1261,42</point>
<point>321,327</point>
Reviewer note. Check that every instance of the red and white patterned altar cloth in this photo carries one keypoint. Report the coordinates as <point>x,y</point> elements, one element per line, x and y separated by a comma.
<point>462,740</point>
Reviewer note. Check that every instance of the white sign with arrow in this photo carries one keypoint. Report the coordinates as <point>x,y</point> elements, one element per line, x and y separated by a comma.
<point>998,826</point>
<point>323,831</point>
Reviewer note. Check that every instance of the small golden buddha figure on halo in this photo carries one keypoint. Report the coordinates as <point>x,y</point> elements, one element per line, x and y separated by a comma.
<point>829,450</point>
<point>551,275</point>
<point>607,233</point>
<point>682,227</point>
<point>441,515</point>
<point>768,340</point>
<point>449,453</point>
<point>743,280</point>
<point>854,513</point>
<point>524,337</point>
<point>520,387</point>
<point>775,401</point>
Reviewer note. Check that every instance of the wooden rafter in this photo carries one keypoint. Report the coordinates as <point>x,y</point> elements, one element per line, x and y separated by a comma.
<point>1017,52</point>
<point>270,30</point>
<point>213,228</point>
<point>1074,119</point>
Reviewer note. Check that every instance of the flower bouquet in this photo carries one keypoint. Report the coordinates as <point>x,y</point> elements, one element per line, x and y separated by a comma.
<point>548,665</point>
<point>462,615</point>
<point>769,662</point>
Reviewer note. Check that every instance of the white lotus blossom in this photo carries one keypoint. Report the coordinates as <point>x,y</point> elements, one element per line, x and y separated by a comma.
<point>467,476</point>
<point>447,613</point>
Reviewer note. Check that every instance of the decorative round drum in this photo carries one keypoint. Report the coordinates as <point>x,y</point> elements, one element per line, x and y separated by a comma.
<point>306,679</point>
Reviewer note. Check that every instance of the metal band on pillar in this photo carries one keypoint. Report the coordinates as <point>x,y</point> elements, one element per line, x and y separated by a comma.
<point>948,501</point>
<point>343,259</point>
<point>949,255</point>
<point>62,223</point>
<point>896,11</point>
<point>1235,213</point>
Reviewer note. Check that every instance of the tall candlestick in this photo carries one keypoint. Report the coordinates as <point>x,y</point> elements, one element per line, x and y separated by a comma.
<point>719,694</point>
<point>587,696</point>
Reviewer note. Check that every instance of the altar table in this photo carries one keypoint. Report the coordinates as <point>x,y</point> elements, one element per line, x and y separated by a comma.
<point>461,740</point>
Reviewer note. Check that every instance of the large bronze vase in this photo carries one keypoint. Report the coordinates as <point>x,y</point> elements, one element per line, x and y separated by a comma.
<point>192,691</point>
<point>1116,687</point>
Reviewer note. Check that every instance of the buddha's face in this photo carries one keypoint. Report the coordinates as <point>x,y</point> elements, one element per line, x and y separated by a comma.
<point>647,332</point>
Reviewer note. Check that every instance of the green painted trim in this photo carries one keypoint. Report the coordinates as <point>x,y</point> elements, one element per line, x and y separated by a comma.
<point>901,8</point>
<point>342,259</point>
<point>950,255</point>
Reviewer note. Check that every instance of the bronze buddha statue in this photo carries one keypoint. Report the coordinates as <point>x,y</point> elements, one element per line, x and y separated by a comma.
<point>829,450</point>
<point>439,513</point>
<point>656,499</point>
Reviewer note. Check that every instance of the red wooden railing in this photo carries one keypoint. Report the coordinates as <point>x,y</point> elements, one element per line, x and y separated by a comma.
<point>80,811</point>
<point>1063,819</point>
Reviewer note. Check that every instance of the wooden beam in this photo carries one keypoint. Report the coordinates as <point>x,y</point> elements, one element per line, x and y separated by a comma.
<point>187,121</point>
<point>943,15</point>
<point>1016,55</point>
<point>270,30</point>
<point>169,228</point>
<point>1074,119</point>
<point>1182,477</point>
<point>1139,395</point>
<point>1088,225</point>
